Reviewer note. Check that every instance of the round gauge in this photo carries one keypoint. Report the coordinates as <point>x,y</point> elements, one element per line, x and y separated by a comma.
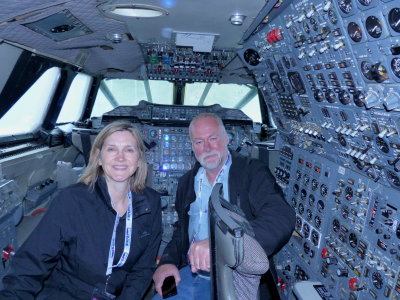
<point>294,202</point>
<point>314,184</point>
<point>315,238</point>
<point>306,230</point>
<point>296,189</point>
<point>320,206</point>
<point>299,223</point>
<point>303,194</point>
<point>377,280</point>
<point>382,145</point>
<point>317,222</point>
<point>395,65</point>
<point>251,57</point>
<point>311,199</point>
<point>301,208</point>
<point>345,211</point>
<point>323,190</point>
<point>353,240</point>
<point>365,2</point>
<point>348,193</point>
<point>344,97</point>
<point>306,248</point>
<point>354,31</point>
<point>366,70</point>
<point>332,16</point>
<point>330,96</point>
<point>306,179</point>
<point>336,225</point>
<point>306,27</point>
<point>394,19</point>
<point>374,26</point>
<point>345,6</point>
<point>309,215</point>
<point>359,98</point>
<point>298,175</point>
<point>319,95</point>
<point>393,178</point>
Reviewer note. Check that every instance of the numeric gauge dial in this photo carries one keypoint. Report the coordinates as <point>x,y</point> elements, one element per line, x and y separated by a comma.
<point>330,96</point>
<point>319,95</point>
<point>315,238</point>
<point>311,200</point>
<point>323,190</point>
<point>353,240</point>
<point>366,70</point>
<point>306,248</point>
<point>306,230</point>
<point>306,179</point>
<point>294,202</point>
<point>365,2</point>
<point>296,189</point>
<point>395,65</point>
<point>314,184</point>
<point>344,97</point>
<point>320,206</point>
<point>382,145</point>
<point>301,208</point>
<point>359,98</point>
<point>298,175</point>
<point>374,26</point>
<point>299,223</point>
<point>251,57</point>
<point>336,225</point>
<point>394,19</point>
<point>303,194</point>
<point>348,193</point>
<point>355,32</point>
<point>317,222</point>
<point>393,178</point>
<point>309,215</point>
<point>377,280</point>
<point>345,6</point>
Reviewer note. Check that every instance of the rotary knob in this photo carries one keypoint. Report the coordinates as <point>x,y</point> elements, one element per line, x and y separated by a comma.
<point>372,99</point>
<point>392,101</point>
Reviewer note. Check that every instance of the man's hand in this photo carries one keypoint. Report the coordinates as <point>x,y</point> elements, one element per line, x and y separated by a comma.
<point>162,272</point>
<point>200,256</point>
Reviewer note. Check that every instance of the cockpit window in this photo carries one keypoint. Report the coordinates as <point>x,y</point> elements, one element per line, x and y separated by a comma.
<point>116,92</point>
<point>27,114</point>
<point>76,99</point>
<point>240,96</point>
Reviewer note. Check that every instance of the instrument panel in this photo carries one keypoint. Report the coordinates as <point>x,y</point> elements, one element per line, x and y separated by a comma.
<point>329,72</point>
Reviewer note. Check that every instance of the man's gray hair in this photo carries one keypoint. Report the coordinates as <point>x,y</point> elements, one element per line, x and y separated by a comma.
<point>207,115</point>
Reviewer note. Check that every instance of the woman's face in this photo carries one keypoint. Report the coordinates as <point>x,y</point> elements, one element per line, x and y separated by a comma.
<point>119,157</point>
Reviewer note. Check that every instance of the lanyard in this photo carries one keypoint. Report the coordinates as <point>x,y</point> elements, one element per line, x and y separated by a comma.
<point>217,179</point>
<point>127,242</point>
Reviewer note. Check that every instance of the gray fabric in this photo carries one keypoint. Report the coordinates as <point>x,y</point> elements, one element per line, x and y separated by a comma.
<point>246,276</point>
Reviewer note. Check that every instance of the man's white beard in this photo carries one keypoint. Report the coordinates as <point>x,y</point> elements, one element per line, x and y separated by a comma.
<point>210,165</point>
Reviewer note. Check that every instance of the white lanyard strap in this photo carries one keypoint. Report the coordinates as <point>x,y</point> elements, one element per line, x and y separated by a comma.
<point>127,242</point>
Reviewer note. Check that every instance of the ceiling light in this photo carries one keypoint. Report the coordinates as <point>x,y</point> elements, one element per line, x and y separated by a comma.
<point>138,11</point>
<point>237,19</point>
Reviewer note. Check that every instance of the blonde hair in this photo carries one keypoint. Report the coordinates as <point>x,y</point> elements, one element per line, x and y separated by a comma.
<point>94,169</point>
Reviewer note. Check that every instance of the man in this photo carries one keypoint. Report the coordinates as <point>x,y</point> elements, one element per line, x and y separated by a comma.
<point>246,182</point>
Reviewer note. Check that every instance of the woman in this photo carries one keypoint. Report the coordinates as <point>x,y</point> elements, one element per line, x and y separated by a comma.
<point>100,237</point>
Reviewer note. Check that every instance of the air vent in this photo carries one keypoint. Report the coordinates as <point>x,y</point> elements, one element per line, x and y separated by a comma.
<point>60,26</point>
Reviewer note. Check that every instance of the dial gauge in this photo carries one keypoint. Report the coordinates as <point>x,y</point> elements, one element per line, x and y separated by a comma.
<point>320,206</point>
<point>336,225</point>
<point>345,6</point>
<point>296,189</point>
<point>319,95</point>
<point>303,194</point>
<point>344,97</point>
<point>294,202</point>
<point>311,200</point>
<point>298,175</point>
<point>394,19</point>
<point>374,26</point>
<point>317,222</point>
<point>366,70</point>
<point>309,214</point>
<point>314,184</point>
<point>306,179</point>
<point>395,65</point>
<point>323,190</point>
<point>315,238</point>
<point>365,2</point>
<point>354,31</point>
<point>301,208</point>
<point>306,27</point>
<point>359,99</point>
<point>306,248</point>
<point>299,223</point>
<point>306,230</point>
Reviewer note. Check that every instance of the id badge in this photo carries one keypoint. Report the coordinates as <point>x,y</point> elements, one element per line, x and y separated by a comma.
<point>101,295</point>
